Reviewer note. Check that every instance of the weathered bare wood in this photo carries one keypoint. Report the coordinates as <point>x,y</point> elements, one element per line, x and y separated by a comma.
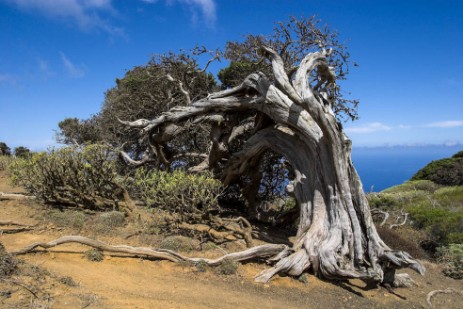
<point>435,292</point>
<point>263,251</point>
<point>15,196</point>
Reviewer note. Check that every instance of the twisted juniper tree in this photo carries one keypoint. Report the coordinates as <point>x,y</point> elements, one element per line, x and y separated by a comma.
<point>293,107</point>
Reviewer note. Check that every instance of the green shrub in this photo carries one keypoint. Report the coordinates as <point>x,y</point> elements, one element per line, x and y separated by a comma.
<point>458,155</point>
<point>5,162</point>
<point>108,221</point>
<point>452,258</point>
<point>447,172</point>
<point>413,185</point>
<point>201,266</point>
<point>227,267</point>
<point>178,243</point>
<point>82,177</point>
<point>450,197</point>
<point>438,222</point>
<point>382,200</point>
<point>67,280</point>
<point>67,218</point>
<point>8,263</point>
<point>186,195</point>
<point>94,255</point>
<point>399,240</point>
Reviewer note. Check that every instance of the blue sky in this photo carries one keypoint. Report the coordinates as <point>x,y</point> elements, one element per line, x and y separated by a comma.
<point>58,57</point>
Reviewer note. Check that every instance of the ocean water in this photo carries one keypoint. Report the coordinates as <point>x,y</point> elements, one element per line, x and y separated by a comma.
<point>382,167</point>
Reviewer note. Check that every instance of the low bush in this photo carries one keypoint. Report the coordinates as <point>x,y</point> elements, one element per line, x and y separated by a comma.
<point>227,267</point>
<point>403,239</point>
<point>67,218</point>
<point>83,177</point>
<point>179,243</point>
<point>442,225</point>
<point>108,221</point>
<point>5,161</point>
<point>8,264</point>
<point>94,255</point>
<point>452,258</point>
<point>414,185</point>
<point>178,192</point>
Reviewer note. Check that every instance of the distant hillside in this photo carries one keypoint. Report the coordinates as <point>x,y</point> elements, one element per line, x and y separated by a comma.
<point>448,172</point>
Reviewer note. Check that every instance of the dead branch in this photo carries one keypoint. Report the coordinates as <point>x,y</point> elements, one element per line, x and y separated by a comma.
<point>20,285</point>
<point>376,211</point>
<point>263,251</point>
<point>14,223</point>
<point>15,196</point>
<point>446,291</point>
<point>14,231</point>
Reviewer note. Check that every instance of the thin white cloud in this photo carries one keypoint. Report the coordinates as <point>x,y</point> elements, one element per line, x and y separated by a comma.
<point>44,68</point>
<point>445,124</point>
<point>85,13</point>
<point>199,9</point>
<point>7,79</point>
<point>369,128</point>
<point>74,71</point>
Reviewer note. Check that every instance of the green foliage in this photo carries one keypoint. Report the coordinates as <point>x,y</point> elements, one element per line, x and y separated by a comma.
<point>8,263</point>
<point>179,243</point>
<point>403,239</point>
<point>22,152</point>
<point>67,218</point>
<point>416,185</point>
<point>447,172</point>
<point>304,278</point>
<point>82,177</point>
<point>458,155</point>
<point>106,222</point>
<point>227,267</point>
<point>4,149</point>
<point>186,195</point>
<point>293,40</point>
<point>433,209</point>
<point>67,280</point>
<point>236,72</point>
<point>452,258</point>
<point>94,255</point>
<point>5,162</point>
<point>74,131</point>
<point>201,266</point>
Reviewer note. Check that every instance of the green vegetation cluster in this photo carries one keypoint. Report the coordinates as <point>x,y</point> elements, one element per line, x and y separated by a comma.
<point>185,194</point>
<point>84,177</point>
<point>448,172</point>
<point>433,202</point>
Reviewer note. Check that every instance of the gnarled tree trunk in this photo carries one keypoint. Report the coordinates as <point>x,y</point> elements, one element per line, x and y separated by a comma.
<point>336,237</point>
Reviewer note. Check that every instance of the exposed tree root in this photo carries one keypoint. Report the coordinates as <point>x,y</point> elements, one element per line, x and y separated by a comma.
<point>22,227</point>
<point>263,251</point>
<point>446,291</point>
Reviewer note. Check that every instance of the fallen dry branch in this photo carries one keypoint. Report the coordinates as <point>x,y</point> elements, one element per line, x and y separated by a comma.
<point>435,292</point>
<point>14,196</point>
<point>3,223</point>
<point>20,285</point>
<point>14,231</point>
<point>272,251</point>
<point>22,227</point>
